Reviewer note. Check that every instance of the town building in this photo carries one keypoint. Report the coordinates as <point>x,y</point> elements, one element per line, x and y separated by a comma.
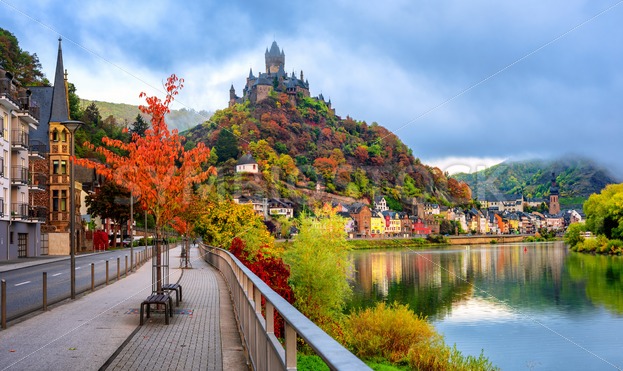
<point>554,203</point>
<point>247,164</point>
<point>20,220</point>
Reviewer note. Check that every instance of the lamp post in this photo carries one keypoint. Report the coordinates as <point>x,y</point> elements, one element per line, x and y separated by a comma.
<point>72,126</point>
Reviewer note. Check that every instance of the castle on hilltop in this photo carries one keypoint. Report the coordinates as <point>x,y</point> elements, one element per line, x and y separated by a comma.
<point>275,78</point>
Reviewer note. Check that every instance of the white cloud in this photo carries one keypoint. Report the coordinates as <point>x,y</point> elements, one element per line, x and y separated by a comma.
<point>454,164</point>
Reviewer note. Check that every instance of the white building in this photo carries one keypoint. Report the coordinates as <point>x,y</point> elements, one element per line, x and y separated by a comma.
<point>247,164</point>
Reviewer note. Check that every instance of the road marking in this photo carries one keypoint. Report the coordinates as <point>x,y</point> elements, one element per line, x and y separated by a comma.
<point>57,274</point>
<point>22,283</point>
<point>78,268</point>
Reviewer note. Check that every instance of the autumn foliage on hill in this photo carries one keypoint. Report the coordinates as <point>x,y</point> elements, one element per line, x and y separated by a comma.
<point>307,143</point>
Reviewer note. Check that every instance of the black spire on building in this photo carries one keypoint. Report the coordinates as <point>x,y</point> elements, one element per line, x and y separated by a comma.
<point>60,107</point>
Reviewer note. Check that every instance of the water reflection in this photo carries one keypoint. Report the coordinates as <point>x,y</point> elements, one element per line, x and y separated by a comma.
<point>524,304</point>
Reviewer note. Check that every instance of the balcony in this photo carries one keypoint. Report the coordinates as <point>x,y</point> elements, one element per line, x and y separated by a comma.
<point>19,140</point>
<point>38,181</point>
<point>19,175</point>
<point>37,149</point>
<point>8,91</point>
<point>28,111</point>
<point>19,211</point>
<point>38,214</point>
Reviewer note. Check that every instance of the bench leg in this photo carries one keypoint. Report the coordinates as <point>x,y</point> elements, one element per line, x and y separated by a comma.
<point>180,287</point>
<point>142,307</point>
<point>166,306</point>
<point>171,306</point>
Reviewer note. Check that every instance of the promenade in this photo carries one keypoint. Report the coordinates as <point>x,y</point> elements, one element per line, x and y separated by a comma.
<point>100,330</point>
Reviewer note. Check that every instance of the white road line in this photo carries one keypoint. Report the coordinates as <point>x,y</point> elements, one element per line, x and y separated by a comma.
<point>78,268</point>
<point>57,274</point>
<point>22,283</point>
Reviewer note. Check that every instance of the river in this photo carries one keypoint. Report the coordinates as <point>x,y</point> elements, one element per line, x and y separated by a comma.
<point>528,306</point>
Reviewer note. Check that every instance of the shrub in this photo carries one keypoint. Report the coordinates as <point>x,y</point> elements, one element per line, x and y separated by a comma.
<point>396,334</point>
<point>386,332</point>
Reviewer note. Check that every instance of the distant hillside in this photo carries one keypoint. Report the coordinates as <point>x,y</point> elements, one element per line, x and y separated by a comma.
<point>126,114</point>
<point>577,178</point>
<point>301,145</point>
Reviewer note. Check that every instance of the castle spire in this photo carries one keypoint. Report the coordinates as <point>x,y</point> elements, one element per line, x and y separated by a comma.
<point>60,105</point>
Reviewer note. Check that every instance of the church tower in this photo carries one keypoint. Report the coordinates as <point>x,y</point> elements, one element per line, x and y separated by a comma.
<point>275,59</point>
<point>554,204</point>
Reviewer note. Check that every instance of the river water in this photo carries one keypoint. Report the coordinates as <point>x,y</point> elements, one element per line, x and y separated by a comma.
<point>532,306</point>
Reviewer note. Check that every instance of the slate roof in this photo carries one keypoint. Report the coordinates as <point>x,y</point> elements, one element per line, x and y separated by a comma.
<point>246,160</point>
<point>60,109</point>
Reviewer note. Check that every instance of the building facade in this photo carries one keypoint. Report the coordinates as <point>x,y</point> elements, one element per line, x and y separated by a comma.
<point>20,224</point>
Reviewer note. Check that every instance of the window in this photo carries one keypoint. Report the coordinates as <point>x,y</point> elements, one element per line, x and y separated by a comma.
<point>55,135</point>
<point>63,136</point>
<point>5,126</point>
<point>22,245</point>
<point>59,200</point>
<point>59,167</point>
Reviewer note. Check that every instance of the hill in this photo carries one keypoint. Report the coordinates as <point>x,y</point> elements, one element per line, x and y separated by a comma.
<point>577,178</point>
<point>125,114</point>
<point>301,146</point>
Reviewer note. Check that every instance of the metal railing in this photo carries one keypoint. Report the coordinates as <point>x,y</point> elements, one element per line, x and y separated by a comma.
<point>19,175</point>
<point>19,210</point>
<point>19,139</point>
<point>256,321</point>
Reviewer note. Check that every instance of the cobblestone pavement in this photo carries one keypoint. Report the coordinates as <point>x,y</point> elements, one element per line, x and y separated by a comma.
<point>101,330</point>
<point>192,340</point>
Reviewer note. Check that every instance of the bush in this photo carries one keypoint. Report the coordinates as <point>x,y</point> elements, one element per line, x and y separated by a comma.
<point>386,332</point>
<point>396,334</point>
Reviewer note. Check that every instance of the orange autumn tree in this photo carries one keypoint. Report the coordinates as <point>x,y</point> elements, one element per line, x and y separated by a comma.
<point>155,167</point>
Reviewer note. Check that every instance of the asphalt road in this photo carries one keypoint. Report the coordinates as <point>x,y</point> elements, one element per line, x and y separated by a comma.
<point>24,286</point>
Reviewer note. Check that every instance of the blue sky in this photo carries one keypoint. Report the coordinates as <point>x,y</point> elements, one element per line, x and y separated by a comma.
<point>464,84</point>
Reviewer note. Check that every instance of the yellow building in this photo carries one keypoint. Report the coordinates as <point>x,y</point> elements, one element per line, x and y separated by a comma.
<point>377,224</point>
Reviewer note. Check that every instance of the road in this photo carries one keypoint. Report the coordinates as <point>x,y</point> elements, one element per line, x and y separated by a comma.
<point>24,286</point>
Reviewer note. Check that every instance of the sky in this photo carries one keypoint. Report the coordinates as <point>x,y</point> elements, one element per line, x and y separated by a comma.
<point>465,84</point>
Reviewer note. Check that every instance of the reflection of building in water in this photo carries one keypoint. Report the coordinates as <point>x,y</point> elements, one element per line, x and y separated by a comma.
<point>385,269</point>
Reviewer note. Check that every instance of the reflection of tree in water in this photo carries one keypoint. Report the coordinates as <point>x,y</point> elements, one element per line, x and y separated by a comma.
<point>602,277</point>
<point>530,277</point>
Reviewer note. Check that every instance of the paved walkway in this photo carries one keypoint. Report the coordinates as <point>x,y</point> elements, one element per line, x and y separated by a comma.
<point>100,330</point>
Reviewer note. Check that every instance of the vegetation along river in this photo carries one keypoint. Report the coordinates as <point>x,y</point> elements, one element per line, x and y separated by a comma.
<point>528,306</point>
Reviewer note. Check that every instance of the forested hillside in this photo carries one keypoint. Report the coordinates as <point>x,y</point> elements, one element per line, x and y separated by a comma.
<point>303,145</point>
<point>577,178</point>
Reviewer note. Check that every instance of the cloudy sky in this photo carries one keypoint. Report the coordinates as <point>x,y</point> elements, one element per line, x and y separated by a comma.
<point>465,84</point>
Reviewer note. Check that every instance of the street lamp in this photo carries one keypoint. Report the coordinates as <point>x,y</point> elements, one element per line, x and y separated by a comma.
<point>72,126</point>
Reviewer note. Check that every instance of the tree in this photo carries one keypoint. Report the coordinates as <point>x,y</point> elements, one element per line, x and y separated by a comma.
<point>226,145</point>
<point>155,168</point>
<point>139,126</point>
<point>110,201</point>
<point>604,212</point>
<point>24,66</point>
<point>319,267</point>
<point>326,167</point>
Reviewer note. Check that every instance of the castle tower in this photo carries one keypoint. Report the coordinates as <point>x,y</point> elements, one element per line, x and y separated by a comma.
<point>554,204</point>
<point>275,59</point>
<point>232,95</point>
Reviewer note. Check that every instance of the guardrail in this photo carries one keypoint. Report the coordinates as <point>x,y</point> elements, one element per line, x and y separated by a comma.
<point>256,321</point>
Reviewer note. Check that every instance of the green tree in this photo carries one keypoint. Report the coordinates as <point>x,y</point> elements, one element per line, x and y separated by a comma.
<point>24,66</point>
<point>575,234</point>
<point>226,145</point>
<point>139,126</point>
<point>110,201</point>
<point>319,267</point>
<point>604,212</point>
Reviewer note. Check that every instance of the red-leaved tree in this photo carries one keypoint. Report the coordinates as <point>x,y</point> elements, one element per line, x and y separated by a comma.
<point>155,167</point>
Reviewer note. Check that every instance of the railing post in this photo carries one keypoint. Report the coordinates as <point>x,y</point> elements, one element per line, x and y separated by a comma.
<point>126,265</point>
<point>290,346</point>
<point>92,277</point>
<point>3,302</point>
<point>270,318</point>
<point>118,267</point>
<point>106,272</point>
<point>45,291</point>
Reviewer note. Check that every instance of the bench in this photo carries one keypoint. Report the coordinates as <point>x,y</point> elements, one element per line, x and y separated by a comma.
<point>178,291</point>
<point>158,299</point>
